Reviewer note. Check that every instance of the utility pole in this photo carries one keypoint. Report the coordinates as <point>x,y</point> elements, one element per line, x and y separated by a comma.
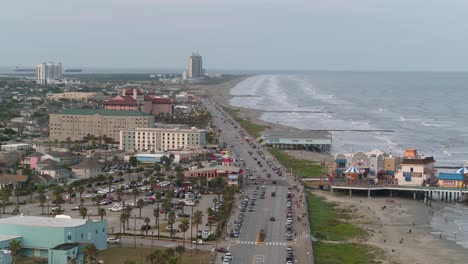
<point>134,230</point>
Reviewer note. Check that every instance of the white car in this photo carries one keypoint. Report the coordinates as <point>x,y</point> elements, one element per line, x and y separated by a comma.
<point>198,242</point>
<point>112,240</point>
<point>116,209</point>
<point>89,195</point>
<point>190,203</point>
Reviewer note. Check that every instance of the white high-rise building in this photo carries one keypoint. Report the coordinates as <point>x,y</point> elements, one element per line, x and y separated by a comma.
<point>195,66</point>
<point>48,71</point>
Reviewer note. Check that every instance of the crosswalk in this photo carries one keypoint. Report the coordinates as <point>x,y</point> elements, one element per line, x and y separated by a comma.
<point>266,243</point>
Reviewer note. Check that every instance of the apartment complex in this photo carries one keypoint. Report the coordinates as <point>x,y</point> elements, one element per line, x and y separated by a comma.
<point>48,71</point>
<point>195,66</point>
<point>160,139</point>
<point>73,95</point>
<point>77,124</point>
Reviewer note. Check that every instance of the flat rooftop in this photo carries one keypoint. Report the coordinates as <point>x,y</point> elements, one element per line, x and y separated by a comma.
<point>42,221</point>
<point>6,238</point>
<point>297,134</point>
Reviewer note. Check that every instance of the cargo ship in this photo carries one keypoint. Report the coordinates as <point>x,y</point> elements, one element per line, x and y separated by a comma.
<point>73,70</point>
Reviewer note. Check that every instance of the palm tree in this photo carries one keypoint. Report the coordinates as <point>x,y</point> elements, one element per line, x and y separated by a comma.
<point>197,220</point>
<point>14,246</point>
<point>17,193</point>
<point>90,252</point>
<point>57,192</point>
<point>98,200</point>
<point>110,179</point>
<point>81,189</point>
<point>83,211</point>
<point>147,221</point>
<point>156,218</point>
<point>31,188</point>
<point>184,226</point>
<point>166,206</point>
<point>140,203</point>
<point>135,193</point>
<point>119,194</point>
<point>151,258</point>
<point>70,192</point>
<point>42,200</point>
<point>102,213</point>
<point>171,221</point>
<point>180,250</point>
<point>5,194</point>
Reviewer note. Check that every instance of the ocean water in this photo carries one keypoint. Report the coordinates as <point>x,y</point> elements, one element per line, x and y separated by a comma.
<point>369,110</point>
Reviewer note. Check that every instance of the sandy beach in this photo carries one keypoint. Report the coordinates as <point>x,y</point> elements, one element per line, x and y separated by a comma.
<point>387,227</point>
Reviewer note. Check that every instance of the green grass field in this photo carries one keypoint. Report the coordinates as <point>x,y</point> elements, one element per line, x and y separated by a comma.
<point>350,253</point>
<point>119,255</point>
<point>253,129</point>
<point>302,168</point>
<point>327,222</point>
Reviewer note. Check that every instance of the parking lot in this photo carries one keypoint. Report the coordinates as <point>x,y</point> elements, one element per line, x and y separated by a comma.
<point>113,218</point>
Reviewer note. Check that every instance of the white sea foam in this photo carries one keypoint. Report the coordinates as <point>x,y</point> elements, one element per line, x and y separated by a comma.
<point>349,103</point>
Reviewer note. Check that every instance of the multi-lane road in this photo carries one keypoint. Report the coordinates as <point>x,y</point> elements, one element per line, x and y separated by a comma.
<point>245,248</point>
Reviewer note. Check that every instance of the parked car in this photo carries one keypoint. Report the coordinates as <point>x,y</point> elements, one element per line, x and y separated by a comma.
<point>198,242</point>
<point>183,215</point>
<point>112,240</point>
<point>221,250</point>
<point>116,209</point>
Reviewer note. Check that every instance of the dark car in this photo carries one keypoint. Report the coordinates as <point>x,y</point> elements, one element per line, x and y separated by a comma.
<point>183,215</point>
<point>221,249</point>
<point>272,218</point>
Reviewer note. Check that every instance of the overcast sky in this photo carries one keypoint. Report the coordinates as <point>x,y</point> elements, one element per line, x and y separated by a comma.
<point>238,34</point>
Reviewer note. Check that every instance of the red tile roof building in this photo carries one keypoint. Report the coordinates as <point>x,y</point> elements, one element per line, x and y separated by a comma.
<point>135,99</point>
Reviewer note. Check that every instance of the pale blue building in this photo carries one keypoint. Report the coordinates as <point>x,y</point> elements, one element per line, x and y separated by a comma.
<point>39,234</point>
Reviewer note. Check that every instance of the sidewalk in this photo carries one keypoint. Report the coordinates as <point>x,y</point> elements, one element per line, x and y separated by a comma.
<point>304,251</point>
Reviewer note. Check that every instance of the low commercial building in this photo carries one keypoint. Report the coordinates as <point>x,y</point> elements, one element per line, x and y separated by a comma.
<point>40,235</point>
<point>74,96</point>
<point>451,180</point>
<point>79,124</point>
<point>416,170</point>
<point>16,147</point>
<point>298,139</point>
<point>160,139</point>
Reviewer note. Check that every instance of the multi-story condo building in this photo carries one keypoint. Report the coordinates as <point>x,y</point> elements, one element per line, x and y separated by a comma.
<point>195,66</point>
<point>77,124</point>
<point>48,71</point>
<point>160,139</point>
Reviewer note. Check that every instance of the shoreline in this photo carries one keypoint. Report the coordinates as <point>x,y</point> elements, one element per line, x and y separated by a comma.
<point>425,246</point>
<point>402,220</point>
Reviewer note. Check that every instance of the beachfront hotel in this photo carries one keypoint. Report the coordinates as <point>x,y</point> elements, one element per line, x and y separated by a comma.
<point>160,139</point>
<point>77,124</point>
<point>195,67</point>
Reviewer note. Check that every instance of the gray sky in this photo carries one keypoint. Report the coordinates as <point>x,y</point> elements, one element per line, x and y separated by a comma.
<point>240,34</point>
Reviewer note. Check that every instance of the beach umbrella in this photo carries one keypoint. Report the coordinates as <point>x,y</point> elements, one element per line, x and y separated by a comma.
<point>352,169</point>
<point>462,170</point>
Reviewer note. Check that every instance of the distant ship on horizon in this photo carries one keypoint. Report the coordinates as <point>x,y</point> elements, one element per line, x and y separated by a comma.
<point>73,70</point>
<point>18,69</point>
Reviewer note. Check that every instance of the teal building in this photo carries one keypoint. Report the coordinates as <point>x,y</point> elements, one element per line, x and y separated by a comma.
<point>39,235</point>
